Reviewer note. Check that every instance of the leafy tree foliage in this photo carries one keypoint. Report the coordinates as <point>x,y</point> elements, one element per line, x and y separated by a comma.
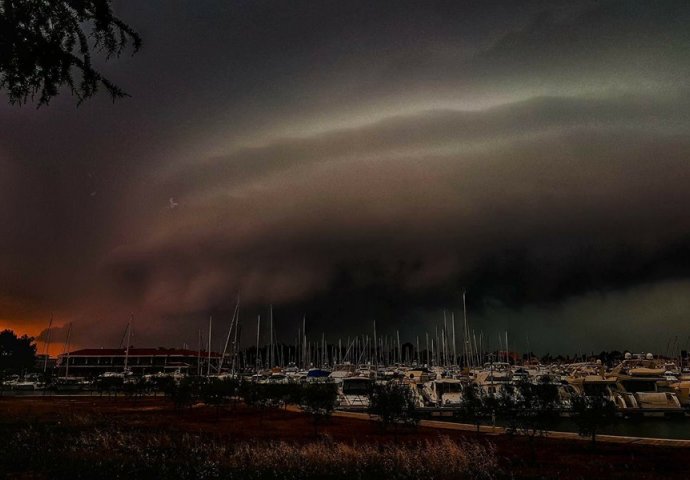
<point>318,399</point>
<point>475,406</point>
<point>45,44</point>
<point>219,392</point>
<point>185,393</point>
<point>393,403</point>
<point>161,384</point>
<point>591,414</point>
<point>532,409</point>
<point>109,385</point>
<point>136,388</point>
<point>16,353</point>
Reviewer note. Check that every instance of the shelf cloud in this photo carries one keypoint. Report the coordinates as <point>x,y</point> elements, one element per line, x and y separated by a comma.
<point>358,162</point>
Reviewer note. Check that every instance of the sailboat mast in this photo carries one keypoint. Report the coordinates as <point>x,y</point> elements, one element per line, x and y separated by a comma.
<point>507,351</point>
<point>455,348</point>
<point>47,346</point>
<point>198,356</point>
<point>376,354</point>
<point>270,328</point>
<point>66,352</point>
<point>234,342</point>
<point>129,337</point>
<point>305,358</point>
<point>466,334</point>
<point>210,327</point>
<point>419,360</point>
<point>227,340</point>
<point>427,348</point>
<point>258,332</point>
<point>444,335</point>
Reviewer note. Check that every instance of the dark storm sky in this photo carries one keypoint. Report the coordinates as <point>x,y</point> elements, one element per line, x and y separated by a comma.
<point>354,161</point>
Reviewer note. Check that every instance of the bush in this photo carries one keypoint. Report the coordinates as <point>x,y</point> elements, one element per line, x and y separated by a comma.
<point>109,385</point>
<point>266,395</point>
<point>217,393</point>
<point>255,394</point>
<point>186,393</point>
<point>136,388</point>
<point>318,399</point>
<point>474,406</point>
<point>532,409</point>
<point>161,384</point>
<point>591,413</point>
<point>393,403</point>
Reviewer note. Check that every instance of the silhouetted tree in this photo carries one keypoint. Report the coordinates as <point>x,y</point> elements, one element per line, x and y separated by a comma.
<point>16,353</point>
<point>591,414</point>
<point>318,399</point>
<point>161,384</point>
<point>110,385</point>
<point>473,406</point>
<point>185,393</point>
<point>136,388</point>
<point>217,393</point>
<point>393,403</point>
<point>45,44</point>
<point>532,409</point>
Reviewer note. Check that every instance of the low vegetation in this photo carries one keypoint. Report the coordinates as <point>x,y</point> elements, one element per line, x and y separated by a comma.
<point>393,404</point>
<point>591,414</point>
<point>319,401</point>
<point>115,452</point>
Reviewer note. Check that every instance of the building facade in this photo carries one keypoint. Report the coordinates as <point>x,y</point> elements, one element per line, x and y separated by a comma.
<point>90,362</point>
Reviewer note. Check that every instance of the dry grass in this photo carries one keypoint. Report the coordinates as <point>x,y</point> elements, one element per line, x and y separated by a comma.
<point>115,453</point>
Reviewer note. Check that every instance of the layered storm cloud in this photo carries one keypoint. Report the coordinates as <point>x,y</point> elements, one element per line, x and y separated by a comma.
<point>371,163</point>
<point>550,197</point>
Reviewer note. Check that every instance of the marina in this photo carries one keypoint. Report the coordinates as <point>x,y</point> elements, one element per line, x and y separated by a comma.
<point>649,392</point>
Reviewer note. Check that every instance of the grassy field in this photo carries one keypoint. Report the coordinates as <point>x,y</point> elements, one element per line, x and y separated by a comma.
<point>93,437</point>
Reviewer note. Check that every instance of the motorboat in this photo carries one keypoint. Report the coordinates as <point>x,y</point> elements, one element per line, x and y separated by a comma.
<point>444,392</point>
<point>354,391</point>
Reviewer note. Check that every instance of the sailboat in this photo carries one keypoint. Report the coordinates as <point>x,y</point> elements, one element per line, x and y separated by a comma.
<point>67,383</point>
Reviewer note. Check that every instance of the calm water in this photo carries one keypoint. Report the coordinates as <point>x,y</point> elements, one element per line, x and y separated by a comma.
<point>648,427</point>
<point>643,427</point>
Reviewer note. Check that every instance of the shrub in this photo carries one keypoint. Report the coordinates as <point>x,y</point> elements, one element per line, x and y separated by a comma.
<point>591,413</point>
<point>532,409</point>
<point>474,406</point>
<point>318,399</point>
<point>393,403</point>
<point>109,385</point>
<point>216,393</point>
<point>185,394</point>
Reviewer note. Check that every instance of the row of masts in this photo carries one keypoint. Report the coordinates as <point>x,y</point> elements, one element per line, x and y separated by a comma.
<point>439,349</point>
<point>374,350</point>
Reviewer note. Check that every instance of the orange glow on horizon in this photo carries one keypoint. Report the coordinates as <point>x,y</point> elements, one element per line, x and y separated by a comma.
<point>21,328</point>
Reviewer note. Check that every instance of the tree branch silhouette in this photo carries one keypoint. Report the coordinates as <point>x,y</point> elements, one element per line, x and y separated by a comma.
<point>45,44</point>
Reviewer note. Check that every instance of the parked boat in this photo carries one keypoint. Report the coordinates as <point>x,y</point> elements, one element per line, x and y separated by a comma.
<point>354,391</point>
<point>446,392</point>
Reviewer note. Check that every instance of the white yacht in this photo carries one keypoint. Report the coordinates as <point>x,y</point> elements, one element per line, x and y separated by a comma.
<point>354,391</point>
<point>444,392</point>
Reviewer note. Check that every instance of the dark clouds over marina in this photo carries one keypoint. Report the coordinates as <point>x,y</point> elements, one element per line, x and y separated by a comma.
<point>364,161</point>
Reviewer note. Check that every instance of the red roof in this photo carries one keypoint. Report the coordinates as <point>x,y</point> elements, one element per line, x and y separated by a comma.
<point>140,352</point>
